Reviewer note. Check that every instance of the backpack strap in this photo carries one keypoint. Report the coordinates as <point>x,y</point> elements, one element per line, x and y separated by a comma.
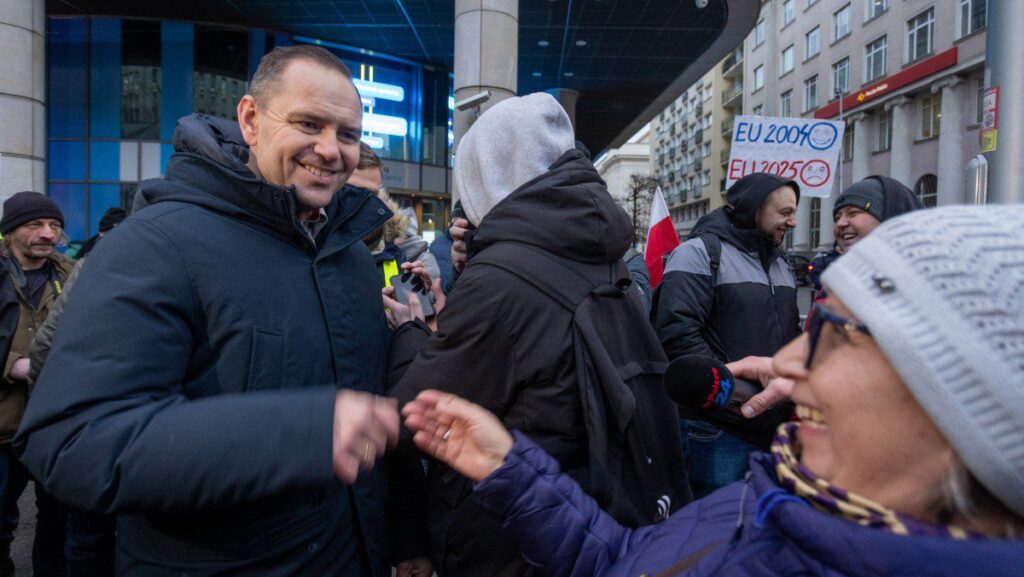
<point>713,245</point>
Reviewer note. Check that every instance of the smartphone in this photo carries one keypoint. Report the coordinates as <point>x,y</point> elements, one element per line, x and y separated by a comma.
<point>406,284</point>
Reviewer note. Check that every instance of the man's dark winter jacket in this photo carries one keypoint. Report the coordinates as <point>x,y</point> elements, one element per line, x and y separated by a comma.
<point>191,385</point>
<point>752,307</point>
<point>753,528</point>
<point>507,346</point>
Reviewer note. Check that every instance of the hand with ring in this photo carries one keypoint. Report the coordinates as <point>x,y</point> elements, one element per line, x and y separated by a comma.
<point>465,436</point>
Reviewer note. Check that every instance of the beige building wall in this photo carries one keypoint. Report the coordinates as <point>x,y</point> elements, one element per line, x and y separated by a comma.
<point>690,142</point>
<point>889,128</point>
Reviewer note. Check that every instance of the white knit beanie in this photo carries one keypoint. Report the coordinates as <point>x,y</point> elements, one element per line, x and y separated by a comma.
<point>942,291</point>
<point>513,142</point>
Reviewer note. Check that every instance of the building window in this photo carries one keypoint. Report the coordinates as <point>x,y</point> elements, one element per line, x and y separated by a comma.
<point>809,3</point>
<point>786,64</point>
<point>841,77</point>
<point>706,122</point>
<point>875,8</point>
<point>972,16</point>
<point>221,54</point>
<point>705,150</point>
<point>759,78</point>
<point>874,59</point>
<point>931,115</point>
<point>788,12</point>
<point>841,23</point>
<point>979,107</point>
<point>811,93</point>
<point>848,139</point>
<point>921,35</point>
<point>705,178</point>
<point>815,228</point>
<point>759,33</point>
<point>758,110</point>
<point>786,103</point>
<point>884,131</point>
<point>812,43</point>
<point>140,80</point>
<point>927,189</point>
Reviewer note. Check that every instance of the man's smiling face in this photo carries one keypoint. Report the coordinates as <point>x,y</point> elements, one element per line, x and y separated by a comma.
<point>306,133</point>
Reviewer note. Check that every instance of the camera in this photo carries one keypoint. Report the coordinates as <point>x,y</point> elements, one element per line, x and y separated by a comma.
<point>473,101</point>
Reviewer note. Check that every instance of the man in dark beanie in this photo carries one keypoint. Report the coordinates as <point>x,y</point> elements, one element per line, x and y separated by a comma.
<point>860,208</point>
<point>111,218</point>
<point>729,293</point>
<point>32,275</point>
<point>866,204</point>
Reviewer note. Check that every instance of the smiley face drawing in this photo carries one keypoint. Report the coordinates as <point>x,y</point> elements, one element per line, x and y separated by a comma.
<point>815,173</point>
<point>823,136</point>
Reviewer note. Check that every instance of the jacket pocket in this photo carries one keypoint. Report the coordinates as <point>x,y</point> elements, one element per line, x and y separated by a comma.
<point>266,361</point>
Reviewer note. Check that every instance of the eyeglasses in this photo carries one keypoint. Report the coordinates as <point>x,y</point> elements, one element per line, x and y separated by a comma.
<point>821,314</point>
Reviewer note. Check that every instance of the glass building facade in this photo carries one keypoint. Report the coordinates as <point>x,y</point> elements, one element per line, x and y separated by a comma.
<point>117,86</point>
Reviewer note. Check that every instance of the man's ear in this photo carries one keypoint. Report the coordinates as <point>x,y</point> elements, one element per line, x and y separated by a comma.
<point>248,119</point>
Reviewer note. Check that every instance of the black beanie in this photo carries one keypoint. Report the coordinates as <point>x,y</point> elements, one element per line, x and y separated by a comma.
<point>27,206</point>
<point>880,196</point>
<point>113,217</point>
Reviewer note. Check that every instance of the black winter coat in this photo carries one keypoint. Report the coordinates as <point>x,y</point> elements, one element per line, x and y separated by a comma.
<point>507,346</point>
<point>752,307</point>
<point>191,386</point>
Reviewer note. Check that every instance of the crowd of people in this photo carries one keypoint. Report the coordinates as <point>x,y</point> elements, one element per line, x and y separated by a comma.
<point>266,370</point>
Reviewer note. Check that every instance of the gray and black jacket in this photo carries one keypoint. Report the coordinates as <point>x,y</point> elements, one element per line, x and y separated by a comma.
<point>748,307</point>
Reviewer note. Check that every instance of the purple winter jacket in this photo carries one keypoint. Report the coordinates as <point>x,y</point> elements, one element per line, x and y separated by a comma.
<point>760,531</point>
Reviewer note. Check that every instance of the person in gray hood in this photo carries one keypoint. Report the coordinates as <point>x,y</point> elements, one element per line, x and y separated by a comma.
<point>504,342</point>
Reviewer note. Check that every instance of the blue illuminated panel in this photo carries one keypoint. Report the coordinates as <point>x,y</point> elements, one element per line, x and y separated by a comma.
<point>176,56</point>
<point>65,160</point>
<point>67,61</point>
<point>71,200</point>
<point>101,197</point>
<point>105,79</point>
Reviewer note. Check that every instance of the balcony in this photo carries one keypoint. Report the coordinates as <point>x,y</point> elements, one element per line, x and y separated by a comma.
<point>727,124</point>
<point>724,155</point>
<point>731,67</point>
<point>734,96</point>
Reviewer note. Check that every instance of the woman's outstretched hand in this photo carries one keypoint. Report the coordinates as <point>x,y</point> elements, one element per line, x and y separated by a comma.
<point>465,436</point>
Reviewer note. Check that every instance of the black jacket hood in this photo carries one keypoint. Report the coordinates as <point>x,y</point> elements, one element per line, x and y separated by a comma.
<point>736,223</point>
<point>209,169</point>
<point>567,211</point>
<point>747,194</point>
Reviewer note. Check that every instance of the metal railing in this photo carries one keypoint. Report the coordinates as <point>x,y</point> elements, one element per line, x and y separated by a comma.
<point>727,124</point>
<point>733,93</point>
<point>733,59</point>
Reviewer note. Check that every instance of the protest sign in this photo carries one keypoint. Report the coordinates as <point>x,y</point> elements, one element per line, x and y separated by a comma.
<point>803,150</point>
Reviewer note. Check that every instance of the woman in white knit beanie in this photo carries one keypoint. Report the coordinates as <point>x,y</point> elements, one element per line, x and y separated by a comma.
<point>907,458</point>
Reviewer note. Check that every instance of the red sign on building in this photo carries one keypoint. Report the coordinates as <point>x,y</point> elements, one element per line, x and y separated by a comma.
<point>902,78</point>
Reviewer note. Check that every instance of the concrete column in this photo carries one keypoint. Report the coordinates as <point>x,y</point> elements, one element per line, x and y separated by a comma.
<point>826,237</point>
<point>22,96</point>
<point>567,97</point>
<point>902,139</point>
<point>862,136</point>
<point>1004,46</point>
<point>951,139</point>
<point>486,55</point>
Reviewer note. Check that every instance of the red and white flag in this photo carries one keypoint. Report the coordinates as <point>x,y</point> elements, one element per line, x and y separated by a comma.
<point>661,238</point>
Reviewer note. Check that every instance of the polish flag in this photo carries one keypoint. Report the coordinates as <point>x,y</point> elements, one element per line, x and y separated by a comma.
<point>661,238</point>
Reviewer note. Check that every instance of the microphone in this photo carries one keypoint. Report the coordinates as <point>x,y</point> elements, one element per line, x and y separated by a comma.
<point>704,384</point>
